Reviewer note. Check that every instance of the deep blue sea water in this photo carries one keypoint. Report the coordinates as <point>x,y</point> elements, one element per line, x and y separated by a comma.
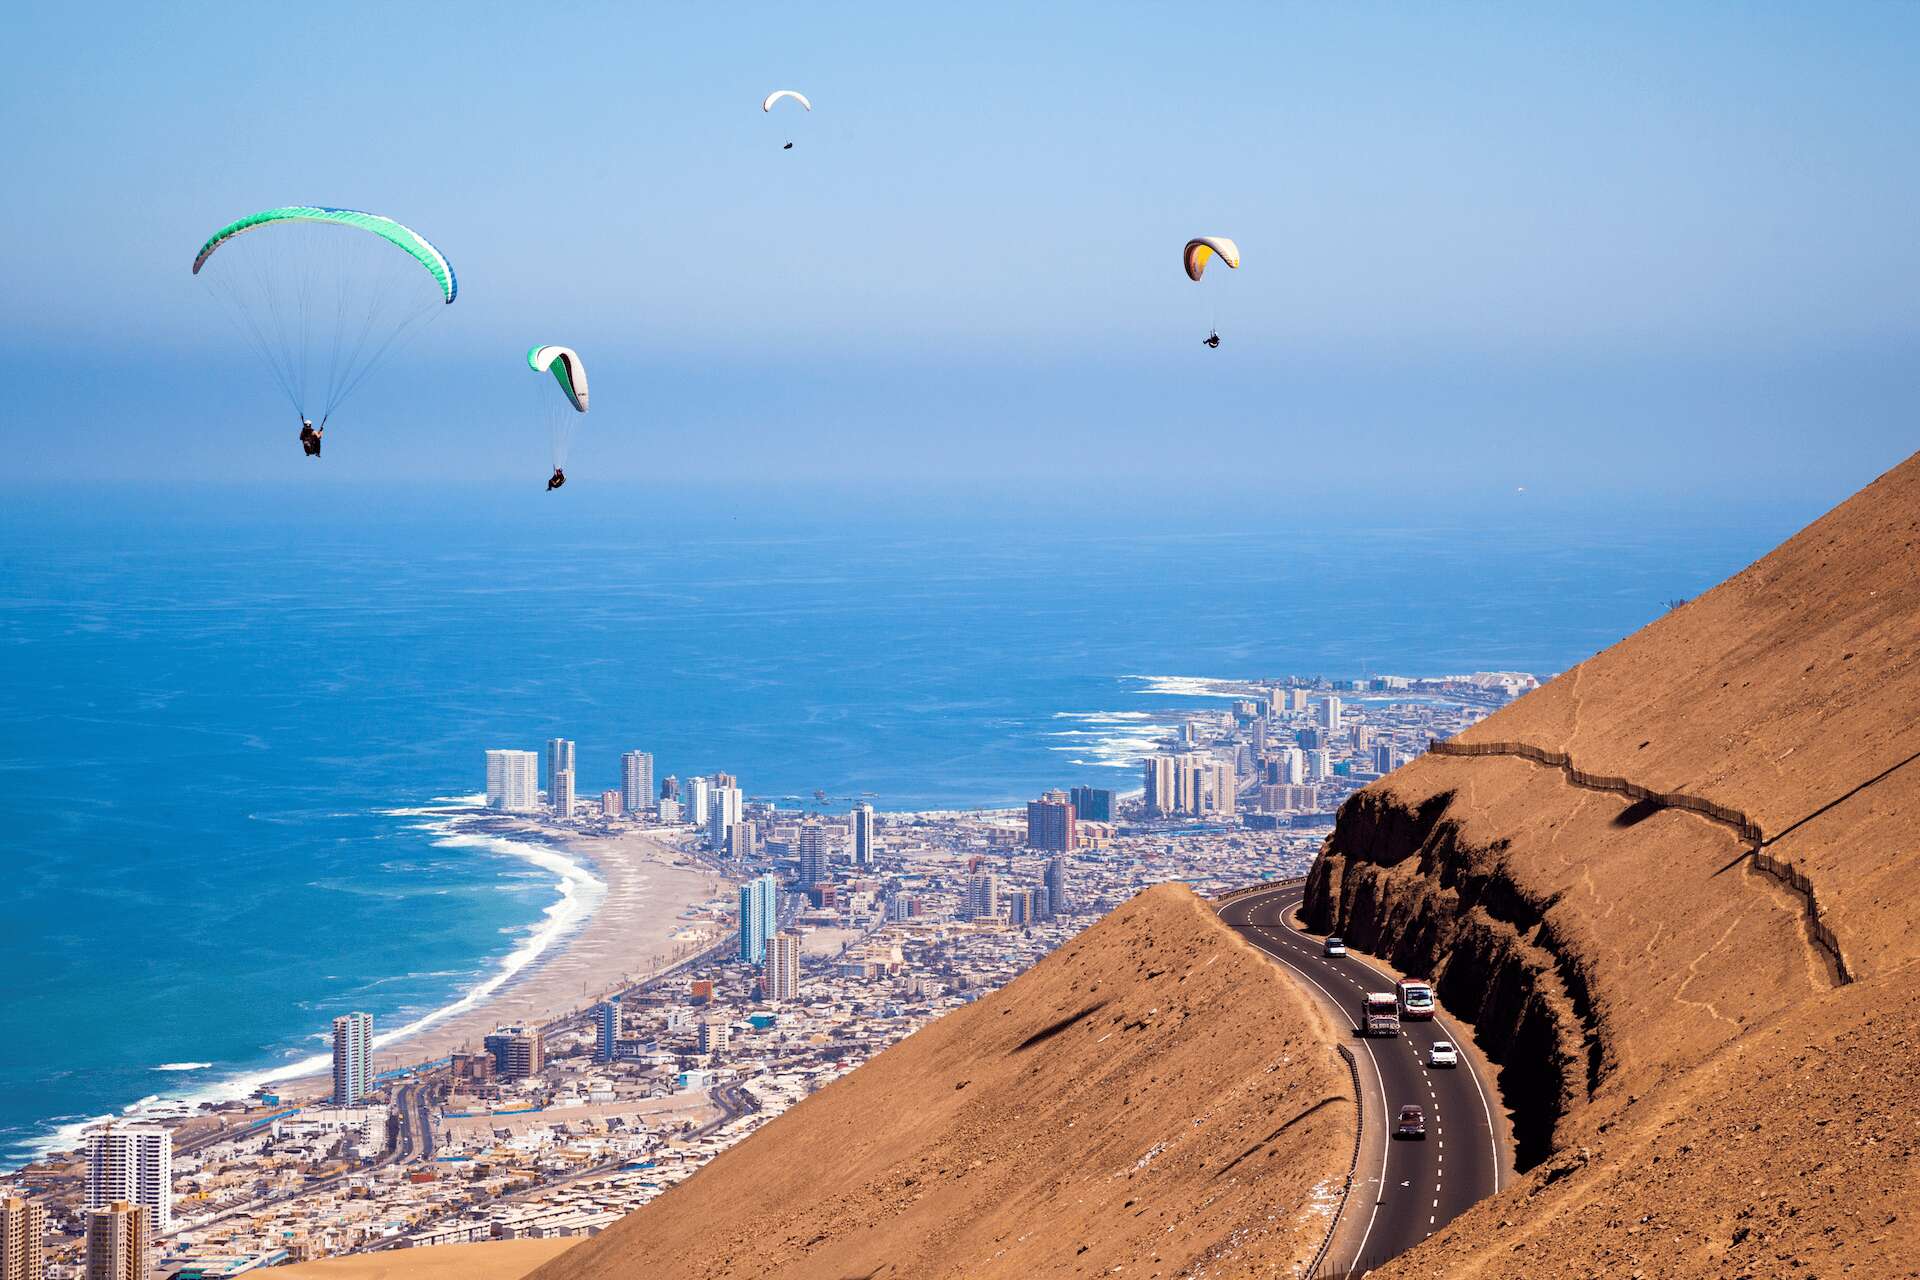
<point>206,712</point>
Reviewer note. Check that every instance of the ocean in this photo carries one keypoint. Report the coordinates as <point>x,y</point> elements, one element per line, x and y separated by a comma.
<point>230,725</point>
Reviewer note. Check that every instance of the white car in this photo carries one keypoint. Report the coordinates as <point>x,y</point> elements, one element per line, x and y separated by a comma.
<point>1442,1054</point>
<point>1333,947</point>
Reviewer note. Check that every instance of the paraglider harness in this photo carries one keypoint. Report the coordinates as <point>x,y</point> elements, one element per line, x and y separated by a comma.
<point>310,436</point>
<point>1211,340</point>
<point>555,480</point>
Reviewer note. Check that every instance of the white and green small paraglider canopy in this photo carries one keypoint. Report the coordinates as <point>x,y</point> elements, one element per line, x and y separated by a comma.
<point>564,364</point>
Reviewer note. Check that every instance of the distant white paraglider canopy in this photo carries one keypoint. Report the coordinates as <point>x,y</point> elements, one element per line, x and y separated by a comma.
<point>778,94</point>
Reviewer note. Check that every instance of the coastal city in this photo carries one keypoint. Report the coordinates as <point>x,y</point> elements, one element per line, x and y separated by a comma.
<point>800,940</point>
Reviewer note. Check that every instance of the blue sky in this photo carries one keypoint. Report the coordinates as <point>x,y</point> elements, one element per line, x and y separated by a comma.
<point>1621,249</point>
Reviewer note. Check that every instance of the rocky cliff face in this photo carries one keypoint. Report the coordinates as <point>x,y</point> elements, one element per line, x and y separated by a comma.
<point>1400,882</point>
<point>1662,889</point>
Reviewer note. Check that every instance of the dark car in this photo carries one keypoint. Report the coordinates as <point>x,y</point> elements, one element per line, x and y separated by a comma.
<point>1412,1124</point>
<point>1333,947</point>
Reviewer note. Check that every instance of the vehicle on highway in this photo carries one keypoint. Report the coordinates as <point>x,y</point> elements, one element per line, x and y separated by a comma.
<point>1412,1124</point>
<point>1333,947</point>
<point>1416,998</point>
<point>1379,1014</point>
<point>1442,1054</point>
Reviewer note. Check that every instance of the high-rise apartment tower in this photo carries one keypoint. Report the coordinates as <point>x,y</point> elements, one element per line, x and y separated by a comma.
<point>133,1163</point>
<point>352,1058</point>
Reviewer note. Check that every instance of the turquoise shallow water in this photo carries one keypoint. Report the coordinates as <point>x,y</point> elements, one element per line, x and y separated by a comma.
<point>205,719</point>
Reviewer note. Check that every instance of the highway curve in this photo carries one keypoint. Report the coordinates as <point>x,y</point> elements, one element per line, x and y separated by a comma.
<point>1426,1184</point>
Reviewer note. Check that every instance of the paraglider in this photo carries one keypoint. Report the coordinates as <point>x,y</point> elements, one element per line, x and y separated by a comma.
<point>323,295</point>
<point>1199,251</point>
<point>778,94</point>
<point>560,412</point>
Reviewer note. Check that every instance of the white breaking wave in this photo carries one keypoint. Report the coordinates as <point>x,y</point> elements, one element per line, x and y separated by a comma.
<point>1192,686</point>
<point>581,892</point>
<point>1114,740</point>
<point>439,807</point>
<point>1122,739</point>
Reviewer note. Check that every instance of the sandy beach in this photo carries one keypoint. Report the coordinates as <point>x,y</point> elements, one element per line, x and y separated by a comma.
<point>636,930</point>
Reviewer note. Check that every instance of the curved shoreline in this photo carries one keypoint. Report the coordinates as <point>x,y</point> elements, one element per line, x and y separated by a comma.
<point>588,869</point>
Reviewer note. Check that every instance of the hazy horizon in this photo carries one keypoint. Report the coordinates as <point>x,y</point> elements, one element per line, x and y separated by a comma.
<point>1663,251</point>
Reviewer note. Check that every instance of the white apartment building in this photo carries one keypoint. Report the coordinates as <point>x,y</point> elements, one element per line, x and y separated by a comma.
<point>724,810</point>
<point>132,1163</point>
<point>782,974</point>
<point>695,795</point>
<point>636,780</point>
<point>863,835</point>
<point>513,781</point>
<point>352,1058</point>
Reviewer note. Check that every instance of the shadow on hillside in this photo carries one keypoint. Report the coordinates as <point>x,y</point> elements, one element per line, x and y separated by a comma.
<point>1053,1029</point>
<point>1637,812</point>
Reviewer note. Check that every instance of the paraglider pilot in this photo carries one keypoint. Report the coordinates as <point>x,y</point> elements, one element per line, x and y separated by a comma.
<point>1212,339</point>
<point>555,480</point>
<point>310,437</point>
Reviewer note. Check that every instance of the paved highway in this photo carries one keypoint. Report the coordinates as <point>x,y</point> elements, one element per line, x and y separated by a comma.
<point>1425,1184</point>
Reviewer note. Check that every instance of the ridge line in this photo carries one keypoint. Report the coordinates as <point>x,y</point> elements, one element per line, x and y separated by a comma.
<point>1786,873</point>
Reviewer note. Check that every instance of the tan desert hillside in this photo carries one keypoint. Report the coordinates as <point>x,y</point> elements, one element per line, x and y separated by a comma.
<point>497,1260</point>
<point>1152,1099</point>
<point>1678,901</point>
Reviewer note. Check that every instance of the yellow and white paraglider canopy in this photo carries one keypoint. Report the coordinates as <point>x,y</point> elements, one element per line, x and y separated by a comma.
<point>1201,248</point>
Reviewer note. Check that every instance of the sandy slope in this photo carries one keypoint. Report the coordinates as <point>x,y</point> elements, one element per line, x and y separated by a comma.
<point>1709,1095</point>
<point>1155,1097</point>
<point>502,1260</point>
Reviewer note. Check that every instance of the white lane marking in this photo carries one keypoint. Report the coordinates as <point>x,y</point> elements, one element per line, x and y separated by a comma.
<point>1486,1107</point>
<point>1386,1131</point>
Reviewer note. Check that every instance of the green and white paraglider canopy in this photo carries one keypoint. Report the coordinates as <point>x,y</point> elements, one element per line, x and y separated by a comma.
<point>564,364</point>
<point>324,294</point>
<point>560,413</point>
